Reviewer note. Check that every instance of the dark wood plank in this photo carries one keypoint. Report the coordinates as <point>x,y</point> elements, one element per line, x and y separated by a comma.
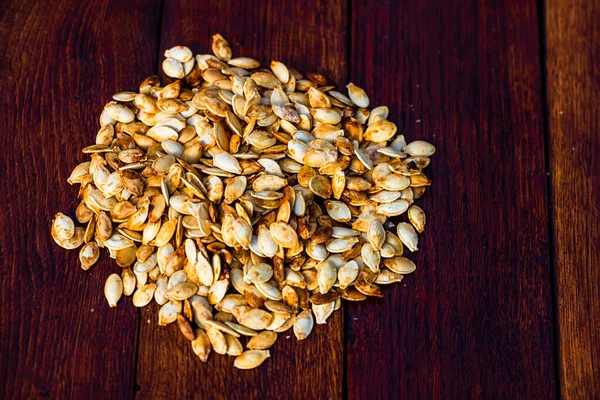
<point>573,83</point>
<point>61,61</point>
<point>308,38</point>
<point>475,320</point>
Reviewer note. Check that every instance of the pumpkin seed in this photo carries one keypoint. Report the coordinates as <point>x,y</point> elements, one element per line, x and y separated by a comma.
<point>408,236</point>
<point>416,216</point>
<point>245,200</point>
<point>303,325</point>
<point>357,95</point>
<point>201,345</point>
<point>89,254</point>
<point>262,341</point>
<point>419,148</point>
<point>234,347</point>
<point>144,295</point>
<point>113,289</point>
<point>251,359</point>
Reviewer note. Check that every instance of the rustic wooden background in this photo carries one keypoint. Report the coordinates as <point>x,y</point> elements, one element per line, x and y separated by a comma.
<point>506,300</point>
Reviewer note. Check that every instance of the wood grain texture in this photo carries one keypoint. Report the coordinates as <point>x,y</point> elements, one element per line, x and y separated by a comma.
<point>61,61</point>
<point>475,320</point>
<point>308,38</point>
<point>573,62</point>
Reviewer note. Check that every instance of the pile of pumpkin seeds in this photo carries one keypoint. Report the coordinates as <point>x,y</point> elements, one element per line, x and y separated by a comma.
<point>246,201</point>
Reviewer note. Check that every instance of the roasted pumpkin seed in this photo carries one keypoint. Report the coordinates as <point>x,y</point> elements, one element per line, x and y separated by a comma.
<point>245,200</point>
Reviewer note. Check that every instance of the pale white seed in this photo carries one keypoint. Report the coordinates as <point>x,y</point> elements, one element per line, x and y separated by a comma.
<point>280,71</point>
<point>180,53</point>
<point>371,257</point>
<point>347,274</point>
<point>173,68</point>
<point>400,265</point>
<point>323,311</point>
<point>419,148</point>
<point>326,275</point>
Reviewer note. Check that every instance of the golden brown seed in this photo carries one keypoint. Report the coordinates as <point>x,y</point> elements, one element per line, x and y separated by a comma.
<point>144,295</point>
<point>63,226</point>
<point>88,255</point>
<point>201,345</point>
<point>217,340</point>
<point>303,325</point>
<point>357,95</point>
<point>220,47</point>
<point>251,359</point>
<point>234,347</point>
<point>185,327</point>
<point>417,217</point>
<point>262,341</point>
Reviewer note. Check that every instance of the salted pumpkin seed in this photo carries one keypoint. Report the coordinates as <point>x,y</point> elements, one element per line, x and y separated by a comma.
<point>217,340</point>
<point>185,327</point>
<point>338,210</point>
<point>376,234</point>
<point>326,275</point>
<point>392,209</point>
<point>244,62</point>
<point>371,257</point>
<point>173,68</point>
<point>283,234</point>
<point>323,311</point>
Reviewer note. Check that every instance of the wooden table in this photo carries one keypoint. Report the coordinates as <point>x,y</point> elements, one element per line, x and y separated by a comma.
<point>505,302</point>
